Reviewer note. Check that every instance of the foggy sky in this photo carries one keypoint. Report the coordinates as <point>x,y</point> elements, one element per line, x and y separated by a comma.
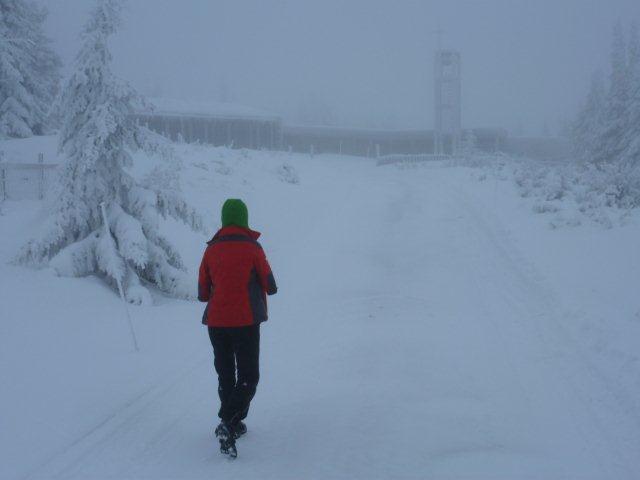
<point>524,62</point>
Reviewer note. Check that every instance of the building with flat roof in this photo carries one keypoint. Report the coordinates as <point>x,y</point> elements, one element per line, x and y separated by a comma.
<point>374,143</point>
<point>236,126</point>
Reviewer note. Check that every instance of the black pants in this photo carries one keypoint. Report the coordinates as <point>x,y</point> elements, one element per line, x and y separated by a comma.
<point>236,348</point>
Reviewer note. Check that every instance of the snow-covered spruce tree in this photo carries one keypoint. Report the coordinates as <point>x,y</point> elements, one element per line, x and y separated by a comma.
<point>45,83</point>
<point>631,155</point>
<point>611,141</point>
<point>29,70</point>
<point>588,128</point>
<point>97,136</point>
<point>17,106</point>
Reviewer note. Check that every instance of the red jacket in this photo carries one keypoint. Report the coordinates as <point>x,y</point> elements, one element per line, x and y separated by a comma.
<point>235,279</point>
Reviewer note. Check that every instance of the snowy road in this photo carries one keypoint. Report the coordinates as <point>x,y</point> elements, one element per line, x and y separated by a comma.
<point>410,338</point>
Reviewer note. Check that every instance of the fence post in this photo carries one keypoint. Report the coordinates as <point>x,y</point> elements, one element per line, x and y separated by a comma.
<point>3,176</point>
<point>41,178</point>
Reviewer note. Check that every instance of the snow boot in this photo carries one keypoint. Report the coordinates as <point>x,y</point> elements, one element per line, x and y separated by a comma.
<point>227,440</point>
<point>239,430</point>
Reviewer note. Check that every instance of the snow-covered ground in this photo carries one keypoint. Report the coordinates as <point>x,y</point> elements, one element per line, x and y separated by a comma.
<point>428,325</point>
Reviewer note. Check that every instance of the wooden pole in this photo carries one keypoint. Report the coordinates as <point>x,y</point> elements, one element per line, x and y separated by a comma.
<point>3,172</point>
<point>271,137</point>
<point>3,176</point>
<point>41,179</point>
<point>107,231</point>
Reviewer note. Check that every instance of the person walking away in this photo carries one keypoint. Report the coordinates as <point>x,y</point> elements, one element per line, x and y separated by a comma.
<point>235,279</point>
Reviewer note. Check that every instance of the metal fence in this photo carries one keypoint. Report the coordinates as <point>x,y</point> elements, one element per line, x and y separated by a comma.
<point>413,158</point>
<point>25,181</point>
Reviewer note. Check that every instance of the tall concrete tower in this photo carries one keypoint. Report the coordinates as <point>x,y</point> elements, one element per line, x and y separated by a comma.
<point>448,101</point>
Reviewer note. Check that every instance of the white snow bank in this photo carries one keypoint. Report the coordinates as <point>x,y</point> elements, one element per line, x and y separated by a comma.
<point>568,193</point>
<point>427,325</point>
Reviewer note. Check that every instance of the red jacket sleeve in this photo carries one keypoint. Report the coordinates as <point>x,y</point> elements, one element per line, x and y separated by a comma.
<point>265,274</point>
<point>204,280</point>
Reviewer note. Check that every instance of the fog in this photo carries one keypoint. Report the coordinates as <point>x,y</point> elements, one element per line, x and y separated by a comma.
<point>358,237</point>
<point>367,63</point>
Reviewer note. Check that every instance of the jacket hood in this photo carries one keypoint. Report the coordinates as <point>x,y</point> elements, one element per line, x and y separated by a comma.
<point>235,230</point>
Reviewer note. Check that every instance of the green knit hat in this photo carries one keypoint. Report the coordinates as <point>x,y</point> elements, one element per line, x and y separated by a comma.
<point>234,212</point>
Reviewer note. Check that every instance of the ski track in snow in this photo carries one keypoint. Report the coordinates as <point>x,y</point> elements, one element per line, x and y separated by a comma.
<point>111,429</point>
<point>410,338</point>
<point>539,313</point>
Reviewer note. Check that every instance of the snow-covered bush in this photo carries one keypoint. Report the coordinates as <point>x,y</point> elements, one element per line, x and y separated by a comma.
<point>618,186</point>
<point>545,207</point>
<point>288,174</point>
<point>97,137</point>
<point>470,156</point>
<point>602,193</point>
<point>222,168</point>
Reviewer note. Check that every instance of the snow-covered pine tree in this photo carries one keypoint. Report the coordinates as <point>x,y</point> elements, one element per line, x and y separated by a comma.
<point>630,157</point>
<point>29,69</point>
<point>631,154</point>
<point>17,105</point>
<point>611,142</point>
<point>634,50</point>
<point>45,83</point>
<point>97,136</point>
<point>588,128</point>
